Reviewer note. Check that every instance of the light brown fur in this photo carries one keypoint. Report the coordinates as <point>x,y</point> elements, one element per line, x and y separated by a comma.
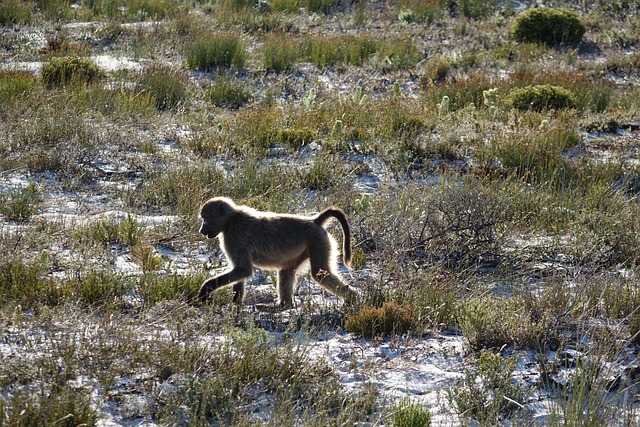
<point>276,242</point>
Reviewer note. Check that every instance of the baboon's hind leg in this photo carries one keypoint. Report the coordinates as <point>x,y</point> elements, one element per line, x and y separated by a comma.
<point>238,292</point>
<point>323,274</point>
<point>286,286</point>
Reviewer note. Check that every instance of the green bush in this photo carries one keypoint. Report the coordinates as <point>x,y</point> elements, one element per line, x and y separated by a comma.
<point>410,415</point>
<point>389,319</point>
<point>20,205</point>
<point>486,394</point>
<point>151,9</point>
<point>328,51</point>
<point>549,26</point>
<point>14,84</point>
<point>61,71</point>
<point>295,137</point>
<point>280,54</point>
<point>61,406</point>
<point>14,12</point>
<point>317,6</point>
<point>216,51</point>
<point>167,86</point>
<point>542,97</point>
<point>228,94</point>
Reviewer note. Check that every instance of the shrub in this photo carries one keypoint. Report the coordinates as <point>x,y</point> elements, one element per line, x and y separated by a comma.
<point>20,205</point>
<point>549,26</point>
<point>166,85</point>
<point>462,225</point>
<point>542,97</point>
<point>228,94</point>
<point>61,71</point>
<point>14,12</point>
<point>327,51</point>
<point>14,84</point>
<point>436,70</point>
<point>486,393</point>
<point>410,415</point>
<point>280,54</point>
<point>389,319</point>
<point>27,284</point>
<point>295,137</point>
<point>318,6</point>
<point>61,406</point>
<point>216,51</point>
<point>154,9</point>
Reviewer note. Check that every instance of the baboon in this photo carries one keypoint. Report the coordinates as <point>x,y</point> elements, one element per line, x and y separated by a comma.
<point>276,242</point>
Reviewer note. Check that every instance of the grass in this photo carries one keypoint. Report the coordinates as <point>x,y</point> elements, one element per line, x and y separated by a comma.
<point>167,86</point>
<point>513,224</point>
<point>487,394</point>
<point>14,12</point>
<point>389,319</point>
<point>227,93</point>
<point>19,205</point>
<point>216,51</point>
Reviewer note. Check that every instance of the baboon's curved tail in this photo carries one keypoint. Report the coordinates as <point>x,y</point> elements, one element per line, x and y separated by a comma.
<point>338,214</point>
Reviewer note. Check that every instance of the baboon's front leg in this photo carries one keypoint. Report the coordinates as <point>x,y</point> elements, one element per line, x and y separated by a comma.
<point>235,275</point>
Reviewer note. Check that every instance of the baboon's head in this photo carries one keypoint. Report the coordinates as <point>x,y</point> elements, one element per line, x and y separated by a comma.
<point>214,214</point>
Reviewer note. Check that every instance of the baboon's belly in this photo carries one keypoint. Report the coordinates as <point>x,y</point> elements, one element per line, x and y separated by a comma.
<point>282,258</point>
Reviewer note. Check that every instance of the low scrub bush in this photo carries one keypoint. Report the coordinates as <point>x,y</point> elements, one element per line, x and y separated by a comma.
<point>20,204</point>
<point>436,70</point>
<point>60,406</point>
<point>548,26</point>
<point>420,11</point>
<point>280,54</point>
<point>491,322</point>
<point>410,415</point>
<point>154,288</point>
<point>15,84</point>
<point>64,70</point>
<point>112,231</point>
<point>486,394</point>
<point>542,97</point>
<point>15,12</point>
<point>320,6</point>
<point>295,137</point>
<point>390,319</point>
<point>538,159</point>
<point>25,284</point>
<point>98,287</point>
<point>227,93</point>
<point>54,9</point>
<point>325,173</point>
<point>462,227</point>
<point>217,51</point>
<point>327,51</point>
<point>477,8</point>
<point>167,86</point>
<point>151,9</point>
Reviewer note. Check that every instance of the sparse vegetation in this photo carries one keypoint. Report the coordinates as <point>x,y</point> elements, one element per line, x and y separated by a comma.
<point>167,86</point>
<point>485,157</point>
<point>227,93</point>
<point>216,51</point>
<point>487,393</point>
<point>61,71</point>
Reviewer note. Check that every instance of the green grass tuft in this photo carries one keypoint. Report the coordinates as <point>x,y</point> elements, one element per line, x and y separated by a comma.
<point>64,70</point>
